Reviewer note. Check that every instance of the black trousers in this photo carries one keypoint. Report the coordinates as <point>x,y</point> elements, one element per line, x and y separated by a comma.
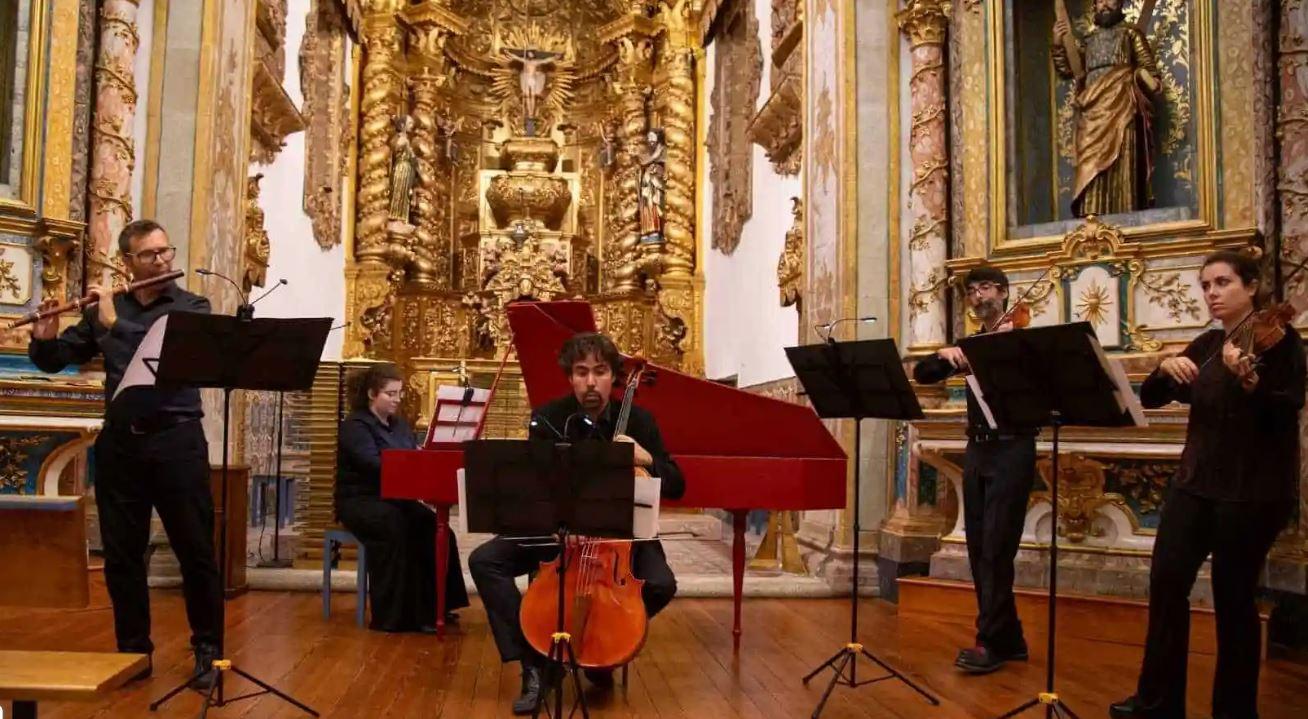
<point>495,564</point>
<point>167,471</point>
<point>997,480</point>
<point>1239,536</point>
<point>400,538</point>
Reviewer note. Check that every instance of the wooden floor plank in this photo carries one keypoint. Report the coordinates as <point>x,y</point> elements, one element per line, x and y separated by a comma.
<point>687,669</point>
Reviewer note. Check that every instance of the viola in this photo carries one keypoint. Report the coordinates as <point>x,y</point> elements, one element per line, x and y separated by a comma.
<point>603,609</point>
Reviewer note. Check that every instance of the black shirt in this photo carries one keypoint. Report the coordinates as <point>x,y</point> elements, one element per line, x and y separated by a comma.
<point>560,420</point>
<point>1239,446</point>
<point>360,442</point>
<point>933,369</point>
<point>79,343</point>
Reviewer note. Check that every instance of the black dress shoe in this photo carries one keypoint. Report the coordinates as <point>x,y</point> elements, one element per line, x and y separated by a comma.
<point>602,678</point>
<point>147,672</point>
<point>1128,708</point>
<point>531,688</point>
<point>204,674</point>
<point>979,660</point>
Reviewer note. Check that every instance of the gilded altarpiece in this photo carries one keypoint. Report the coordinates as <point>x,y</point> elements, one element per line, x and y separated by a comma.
<point>1132,276</point>
<point>523,151</point>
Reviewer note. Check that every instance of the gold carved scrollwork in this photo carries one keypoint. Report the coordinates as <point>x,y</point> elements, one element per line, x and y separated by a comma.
<point>273,116</point>
<point>1080,495</point>
<point>57,242</point>
<point>739,73</point>
<point>779,125</point>
<point>925,21</point>
<point>326,115</point>
<point>14,452</point>
<point>1146,483</point>
<point>790,266</point>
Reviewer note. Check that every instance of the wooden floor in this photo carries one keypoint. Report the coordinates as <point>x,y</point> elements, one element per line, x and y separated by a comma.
<point>687,668</point>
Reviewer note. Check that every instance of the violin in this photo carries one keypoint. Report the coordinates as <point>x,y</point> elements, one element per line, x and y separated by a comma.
<point>603,609</point>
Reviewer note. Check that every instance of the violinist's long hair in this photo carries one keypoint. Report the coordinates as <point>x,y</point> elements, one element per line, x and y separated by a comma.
<point>1245,267</point>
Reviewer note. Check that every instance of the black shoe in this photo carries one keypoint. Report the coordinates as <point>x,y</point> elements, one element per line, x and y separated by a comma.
<point>531,689</point>
<point>602,678</point>
<point>979,660</point>
<point>451,617</point>
<point>1128,708</point>
<point>147,672</point>
<point>204,674</point>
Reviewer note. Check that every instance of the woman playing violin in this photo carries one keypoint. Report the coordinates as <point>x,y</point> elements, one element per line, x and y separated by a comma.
<point>998,472</point>
<point>1231,495</point>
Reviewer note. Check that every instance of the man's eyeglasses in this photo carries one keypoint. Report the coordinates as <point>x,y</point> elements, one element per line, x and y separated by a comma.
<point>165,254</point>
<point>980,288</point>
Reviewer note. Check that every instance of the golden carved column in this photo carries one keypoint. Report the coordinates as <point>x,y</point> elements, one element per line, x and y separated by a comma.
<point>926,22</point>
<point>633,35</point>
<point>677,102</point>
<point>430,25</point>
<point>369,280</point>
<point>382,100</point>
<point>112,152</point>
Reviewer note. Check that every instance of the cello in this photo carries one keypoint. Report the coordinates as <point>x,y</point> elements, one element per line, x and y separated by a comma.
<point>603,611</point>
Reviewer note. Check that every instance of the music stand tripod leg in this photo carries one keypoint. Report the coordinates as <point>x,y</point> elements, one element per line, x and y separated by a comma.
<point>848,655</point>
<point>557,666</point>
<point>214,695</point>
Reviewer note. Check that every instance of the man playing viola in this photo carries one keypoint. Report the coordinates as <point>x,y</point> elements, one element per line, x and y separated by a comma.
<point>591,363</point>
<point>998,473</point>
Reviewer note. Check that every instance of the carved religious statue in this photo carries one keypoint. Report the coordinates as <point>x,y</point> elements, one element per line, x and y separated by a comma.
<point>533,70</point>
<point>258,248</point>
<point>404,170</point>
<point>652,185</point>
<point>1114,66</point>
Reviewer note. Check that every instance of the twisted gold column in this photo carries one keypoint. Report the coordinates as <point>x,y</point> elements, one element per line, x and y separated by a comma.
<point>635,43</point>
<point>382,100</point>
<point>679,131</point>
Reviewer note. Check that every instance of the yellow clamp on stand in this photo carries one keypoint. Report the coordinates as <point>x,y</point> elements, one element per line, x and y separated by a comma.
<point>561,637</point>
<point>854,647</point>
<point>1047,697</point>
<point>222,665</point>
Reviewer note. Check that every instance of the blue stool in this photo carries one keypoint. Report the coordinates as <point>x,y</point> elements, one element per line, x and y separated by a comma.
<point>331,540</point>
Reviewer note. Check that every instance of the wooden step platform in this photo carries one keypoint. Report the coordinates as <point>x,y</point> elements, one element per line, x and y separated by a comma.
<point>1108,619</point>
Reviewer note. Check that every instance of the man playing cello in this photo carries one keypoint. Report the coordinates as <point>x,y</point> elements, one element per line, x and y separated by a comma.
<point>591,362</point>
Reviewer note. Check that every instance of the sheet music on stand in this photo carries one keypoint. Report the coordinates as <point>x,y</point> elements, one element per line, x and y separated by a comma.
<point>645,515</point>
<point>141,369</point>
<point>1127,401</point>
<point>457,416</point>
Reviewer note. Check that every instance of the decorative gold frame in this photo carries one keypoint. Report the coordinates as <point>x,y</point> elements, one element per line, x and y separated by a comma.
<point>1205,117</point>
<point>33,113</point>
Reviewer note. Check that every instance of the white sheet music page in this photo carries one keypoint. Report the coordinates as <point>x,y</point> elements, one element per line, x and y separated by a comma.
<point>645,516</point>
<point>460,521</point>
<point>1126,398</point>
<point>138,372</point>
<point>975,386</point>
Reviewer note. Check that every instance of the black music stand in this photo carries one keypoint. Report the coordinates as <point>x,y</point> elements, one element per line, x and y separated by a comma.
<point>533,488</point>
<point>1049,377</point>
<point>229,353</point>
<point>858,381</point>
